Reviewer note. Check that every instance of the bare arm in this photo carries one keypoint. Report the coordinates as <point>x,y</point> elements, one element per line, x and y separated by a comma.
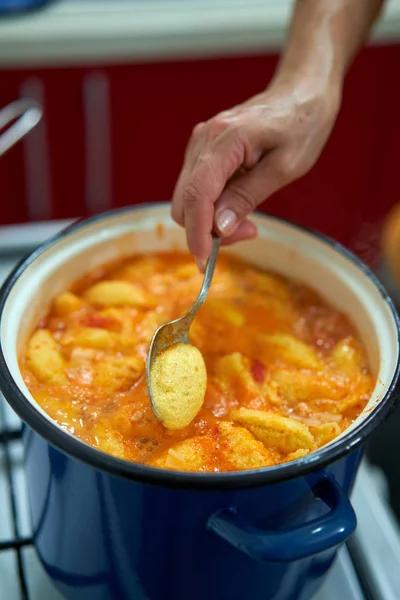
<point>240,157</point>
<point>323,38</point>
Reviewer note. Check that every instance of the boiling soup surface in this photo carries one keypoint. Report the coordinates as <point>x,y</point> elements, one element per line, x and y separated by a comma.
<point>286,372</point>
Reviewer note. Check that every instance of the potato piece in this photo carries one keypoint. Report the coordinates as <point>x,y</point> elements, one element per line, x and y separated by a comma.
<point>139,268</point>
<point>234,317</point>
<point>231,365</point>
<point>292,351</point>
<point>44,358</point>
<point>114,373</point>
<point>225,312</point>
<point>348,353</point>
<point>278,316</point>
<point>119,315</point>
<point>112,319</point>
<point>225,283</point>
<point>267,283</point>
<point>270,392</point>
<point>81,365</point>
<point>362,390</point>
<point>298,386</point>
<point>187,271</point>
<point>276,432</point>
<point>234,375</point>
<point>233,368</point>
<point>241,449</point>
<point>298,454</point>
<point>82,356</point>
<point>117,293</point>
<point>120,323</point>
<point>112,442</point>
<point>88,337</point>
<point>161,284</point>
<point>130,420</point>
<point>325,433</point>
<point>148,325</point>
<point>194,454</point>
<point>66,303</point>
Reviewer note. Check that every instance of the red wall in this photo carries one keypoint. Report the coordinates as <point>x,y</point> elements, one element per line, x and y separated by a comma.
<point>153,109</point>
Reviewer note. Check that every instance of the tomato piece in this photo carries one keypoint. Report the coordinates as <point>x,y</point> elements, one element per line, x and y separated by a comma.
<point>100,321</point>
<point>258,371</point>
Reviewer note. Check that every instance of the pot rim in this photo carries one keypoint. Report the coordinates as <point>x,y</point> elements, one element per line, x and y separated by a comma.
<point>77,449</point>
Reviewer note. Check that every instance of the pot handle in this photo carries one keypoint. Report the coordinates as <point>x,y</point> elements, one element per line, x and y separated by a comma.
<point>29,114</point>
<point>298,541</point>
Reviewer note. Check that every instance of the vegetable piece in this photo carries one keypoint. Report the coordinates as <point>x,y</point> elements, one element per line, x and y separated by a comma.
<point>115,373</point>
<point>275,431</point>
<point>45,359</point>
<point>118,293</point>
<point>325,433</point>
<point>88,337</point>
<point>298,454</point>
<point>234,368</point>
<point>291,350</point>
<point>348,354</point>
<point>238,450</point>
<point>302,386</point>
<point>194,454</point>
<point>66,304</point>
<point>241,449</point>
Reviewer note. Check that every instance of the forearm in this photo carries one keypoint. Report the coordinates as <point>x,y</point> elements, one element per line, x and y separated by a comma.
<point>323,38</point>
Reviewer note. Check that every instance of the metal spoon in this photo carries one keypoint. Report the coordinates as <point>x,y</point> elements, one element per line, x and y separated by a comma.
<point>177,331</point>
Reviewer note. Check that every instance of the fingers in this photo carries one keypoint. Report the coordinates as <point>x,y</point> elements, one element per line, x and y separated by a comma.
<point>224,178</point>
<point>239,158</point>
<point>246,231</point>
<point>200,185</point>
<point>245,193</point>
<point>193,149</point>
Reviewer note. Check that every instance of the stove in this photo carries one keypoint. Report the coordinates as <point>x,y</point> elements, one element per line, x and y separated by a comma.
<point>368,568</point>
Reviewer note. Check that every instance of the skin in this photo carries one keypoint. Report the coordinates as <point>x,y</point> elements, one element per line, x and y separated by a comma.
<point>240,157</point>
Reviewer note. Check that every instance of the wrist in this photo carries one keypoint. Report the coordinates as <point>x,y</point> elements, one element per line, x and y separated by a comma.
<point>310,86</point>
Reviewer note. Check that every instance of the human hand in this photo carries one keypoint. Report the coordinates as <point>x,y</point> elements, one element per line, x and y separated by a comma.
<point>237,159</point>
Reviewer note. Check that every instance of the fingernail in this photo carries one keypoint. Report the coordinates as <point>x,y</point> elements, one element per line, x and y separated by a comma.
<point>201,264</point>
<point>226,221</point>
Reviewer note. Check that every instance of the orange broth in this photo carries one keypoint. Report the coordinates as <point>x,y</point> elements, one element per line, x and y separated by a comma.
<point>272,347</point>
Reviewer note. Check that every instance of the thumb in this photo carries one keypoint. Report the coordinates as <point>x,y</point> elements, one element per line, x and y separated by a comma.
<point>243,194</point>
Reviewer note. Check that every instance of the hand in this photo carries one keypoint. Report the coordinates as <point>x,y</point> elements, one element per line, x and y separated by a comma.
<point>237,159</point>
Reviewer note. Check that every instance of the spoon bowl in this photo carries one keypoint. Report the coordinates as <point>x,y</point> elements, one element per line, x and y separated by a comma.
<point>177,331</point>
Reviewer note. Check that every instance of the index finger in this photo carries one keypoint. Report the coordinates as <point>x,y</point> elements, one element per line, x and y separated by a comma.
<point>200,186</point>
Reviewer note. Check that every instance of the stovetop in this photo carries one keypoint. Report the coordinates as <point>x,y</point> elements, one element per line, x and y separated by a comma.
<point>367,569</point>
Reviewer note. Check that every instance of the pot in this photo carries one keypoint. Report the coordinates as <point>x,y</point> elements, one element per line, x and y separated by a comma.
<point>106,528</point>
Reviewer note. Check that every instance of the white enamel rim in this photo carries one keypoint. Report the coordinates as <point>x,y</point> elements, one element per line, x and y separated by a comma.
<point>286,248</point>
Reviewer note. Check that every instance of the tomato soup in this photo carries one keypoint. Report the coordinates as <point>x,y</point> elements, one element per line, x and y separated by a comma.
<point>286,372</point>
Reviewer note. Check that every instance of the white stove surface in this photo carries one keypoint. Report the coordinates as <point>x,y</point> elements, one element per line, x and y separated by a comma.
<point>377,539</point>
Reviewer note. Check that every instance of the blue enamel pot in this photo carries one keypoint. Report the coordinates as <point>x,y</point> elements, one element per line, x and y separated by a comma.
<point>108,529</point>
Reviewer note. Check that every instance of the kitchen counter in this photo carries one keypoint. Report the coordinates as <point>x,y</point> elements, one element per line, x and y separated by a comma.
<point>87,31</point>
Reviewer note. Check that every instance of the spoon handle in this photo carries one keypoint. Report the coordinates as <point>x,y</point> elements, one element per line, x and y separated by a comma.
<point>208,275</point>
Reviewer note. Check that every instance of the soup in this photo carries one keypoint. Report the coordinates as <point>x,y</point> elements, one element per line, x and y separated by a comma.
<point>286,373</point>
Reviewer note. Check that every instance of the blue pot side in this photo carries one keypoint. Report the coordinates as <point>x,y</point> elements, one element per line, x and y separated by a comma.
<point>108,538</point>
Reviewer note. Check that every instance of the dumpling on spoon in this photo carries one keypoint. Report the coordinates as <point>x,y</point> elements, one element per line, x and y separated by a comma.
<point>178,385</point>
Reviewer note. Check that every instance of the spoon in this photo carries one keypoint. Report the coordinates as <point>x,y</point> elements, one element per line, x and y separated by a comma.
<point>177,331</point>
